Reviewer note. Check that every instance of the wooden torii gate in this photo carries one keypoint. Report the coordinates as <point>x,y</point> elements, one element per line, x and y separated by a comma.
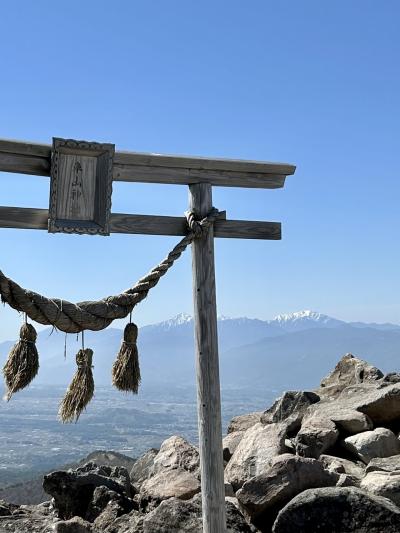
<point>80,202</point>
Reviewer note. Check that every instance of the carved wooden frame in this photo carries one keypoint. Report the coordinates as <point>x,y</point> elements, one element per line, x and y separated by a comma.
<point>101,196</point>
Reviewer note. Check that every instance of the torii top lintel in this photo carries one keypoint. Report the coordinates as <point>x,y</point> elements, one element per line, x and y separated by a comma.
<point>32,158</point>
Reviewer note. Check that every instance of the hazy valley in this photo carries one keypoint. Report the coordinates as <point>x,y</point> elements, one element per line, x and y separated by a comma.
<point>259,359</point>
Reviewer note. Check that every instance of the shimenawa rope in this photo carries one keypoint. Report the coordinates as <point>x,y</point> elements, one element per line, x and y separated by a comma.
<point>97,315</point>
<point>23,362</point>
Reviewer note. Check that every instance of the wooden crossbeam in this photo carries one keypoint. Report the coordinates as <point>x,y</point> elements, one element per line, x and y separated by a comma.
<point>31,158</point>
<point>28,218</point>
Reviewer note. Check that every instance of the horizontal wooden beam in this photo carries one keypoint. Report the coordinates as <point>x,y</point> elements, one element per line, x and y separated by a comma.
<point>27,218</point>
<point>31,158</point>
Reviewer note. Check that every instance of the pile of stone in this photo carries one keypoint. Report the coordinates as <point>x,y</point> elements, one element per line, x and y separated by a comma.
<point>324,460</point>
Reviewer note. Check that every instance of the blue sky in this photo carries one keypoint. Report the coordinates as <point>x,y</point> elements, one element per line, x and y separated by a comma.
<point>312,83</point>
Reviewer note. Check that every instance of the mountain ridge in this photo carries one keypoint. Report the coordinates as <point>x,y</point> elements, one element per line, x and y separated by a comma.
<point>166,349</point>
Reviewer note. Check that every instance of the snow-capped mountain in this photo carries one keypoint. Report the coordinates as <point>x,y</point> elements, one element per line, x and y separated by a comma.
<point>305,320</point>
<point>291,350</point>
<point>182,319</point>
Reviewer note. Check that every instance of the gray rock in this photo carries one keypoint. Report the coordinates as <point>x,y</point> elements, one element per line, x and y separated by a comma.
<point>176,452</point>
<point>316,436</point>
<point>259,445</point>
<point>230,443</point>
<point>380,442</point>
<point>338,510</point>
<point>7,509</point>
<point>175,515</point>
<point>392,377</point>
<point>347,481</point>
<point>115,504</point>
<point>290,407</point>
<point>264,495</point>
<point>342,413</point>
<point>171,482</point>
<point>244,422</point>
<point>74,525</point>
<point>349,371</point>
<point>127,523</point>
<point>142,467</point>
<point>343,466</point>
<point>73,490</point>
<point>382,405</point>
<point>26,519</point>
<point>384,464</point>
<point>386,484</point>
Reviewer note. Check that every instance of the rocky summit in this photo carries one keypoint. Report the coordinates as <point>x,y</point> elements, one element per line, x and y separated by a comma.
<point>322,460</point>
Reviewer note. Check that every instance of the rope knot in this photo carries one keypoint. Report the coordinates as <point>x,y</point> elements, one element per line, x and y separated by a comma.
<point>199,227</point>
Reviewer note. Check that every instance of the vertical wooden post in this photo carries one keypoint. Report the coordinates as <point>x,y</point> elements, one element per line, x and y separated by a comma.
<point>207,369</point>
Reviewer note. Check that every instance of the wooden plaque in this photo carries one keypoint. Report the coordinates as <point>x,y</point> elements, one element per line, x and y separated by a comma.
<point>81,187</point>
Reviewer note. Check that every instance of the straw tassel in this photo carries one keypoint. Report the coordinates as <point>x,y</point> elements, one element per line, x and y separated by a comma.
<point>126,370</point>
<point>81,389</point>
<point>22,364</point>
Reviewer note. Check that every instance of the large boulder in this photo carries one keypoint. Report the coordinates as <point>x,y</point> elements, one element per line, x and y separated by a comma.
<point>259,445</point>
<point>290,407</point>
<point>174,472</point>
<point>230,443</point>
<point>143,467</point>
<point>349,371</point>
<point>343,466</point>
<point>73,490</point>
<point>176,452</point>
<point>338,510</point>
<point>381,442</point>
<point>317,434</point>
<point>244,422</point>
<point>264,495</point>
<point>385,484</point>
<point>343,414</point>
<point>384,464</point>
<point>107,505</point>
<point>171,482</point>
<point>381,404</point>
<point>185,516</point>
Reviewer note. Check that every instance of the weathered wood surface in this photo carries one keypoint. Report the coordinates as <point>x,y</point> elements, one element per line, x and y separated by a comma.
<point>76,197</point>
<point>80,187</point>
<point>31,158</point>
<point>24,164</point>
<point>28,218</point>
<point>207,370</point>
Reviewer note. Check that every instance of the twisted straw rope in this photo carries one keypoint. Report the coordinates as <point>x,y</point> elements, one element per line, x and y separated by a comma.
<point>97,315</point>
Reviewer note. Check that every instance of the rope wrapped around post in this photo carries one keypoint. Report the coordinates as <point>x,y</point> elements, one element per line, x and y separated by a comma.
<point>97,315</point>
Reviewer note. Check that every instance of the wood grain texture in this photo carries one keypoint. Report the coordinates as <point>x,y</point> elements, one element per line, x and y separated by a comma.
<point>76,190</point>
<point>25,148</point>
<point>27,218</point>
<point>207,369</point>
<point>24,164</point>
<point>23,218</point>
<point>80,187</point>
<point>31,158</point>
<point>187,176</point>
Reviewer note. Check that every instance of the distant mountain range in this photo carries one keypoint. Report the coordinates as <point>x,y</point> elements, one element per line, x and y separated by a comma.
<point>290,351</point>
